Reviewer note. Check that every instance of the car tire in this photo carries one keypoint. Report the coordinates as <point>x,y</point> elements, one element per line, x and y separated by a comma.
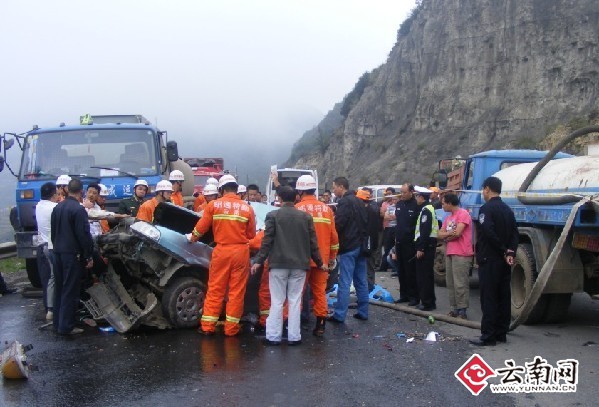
<point>183,301</point>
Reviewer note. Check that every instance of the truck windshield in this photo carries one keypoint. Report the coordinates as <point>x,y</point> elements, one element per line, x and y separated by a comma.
<point>76,152</point>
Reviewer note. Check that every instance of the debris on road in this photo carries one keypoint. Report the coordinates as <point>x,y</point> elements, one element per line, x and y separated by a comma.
<point>13,361</point>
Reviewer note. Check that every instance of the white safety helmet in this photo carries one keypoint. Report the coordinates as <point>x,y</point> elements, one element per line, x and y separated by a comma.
<point>305,183</point>
<point>212,181</point>
<point>103,190</point>
<point>241,189</point>
<point>210,190</point>
<point>63,180</point>
<point>176,175</point>
<point>226,179</point>
<point>164,185</point>
<point>141,182</point>
<point>422,190</point>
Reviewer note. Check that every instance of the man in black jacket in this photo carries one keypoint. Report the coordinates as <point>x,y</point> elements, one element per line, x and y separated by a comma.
<point>73,249</point>
<point>289,243</point>
<point>406,215</point>
<point>497,241</point>
<point>373,228</point>
<point>351,219</point>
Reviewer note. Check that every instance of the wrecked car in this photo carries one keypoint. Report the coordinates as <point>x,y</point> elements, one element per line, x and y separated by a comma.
<point>154,276</point>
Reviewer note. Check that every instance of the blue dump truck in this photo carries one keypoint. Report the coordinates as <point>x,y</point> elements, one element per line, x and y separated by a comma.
<point>554,198</point>
<point>113,150</point>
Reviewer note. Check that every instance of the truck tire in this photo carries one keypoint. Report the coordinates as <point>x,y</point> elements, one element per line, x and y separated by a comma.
<point>439,267</point>
<point>32,273</point>
<point>183,301</point>
<point>557,307</point>
<point>524,274</point>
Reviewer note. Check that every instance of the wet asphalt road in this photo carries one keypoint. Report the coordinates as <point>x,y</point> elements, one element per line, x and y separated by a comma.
<point>357,364</point>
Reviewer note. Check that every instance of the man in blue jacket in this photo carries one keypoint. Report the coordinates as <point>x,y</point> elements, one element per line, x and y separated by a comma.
<point>73,249</point>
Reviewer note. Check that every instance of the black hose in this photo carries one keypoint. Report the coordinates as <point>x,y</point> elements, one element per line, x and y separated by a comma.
<point>537,168</point>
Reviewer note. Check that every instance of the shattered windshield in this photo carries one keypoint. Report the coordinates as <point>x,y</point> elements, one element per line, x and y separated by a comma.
<point>76,152</point>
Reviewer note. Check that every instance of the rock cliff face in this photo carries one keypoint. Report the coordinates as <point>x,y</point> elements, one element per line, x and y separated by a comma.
<point>466,76</point>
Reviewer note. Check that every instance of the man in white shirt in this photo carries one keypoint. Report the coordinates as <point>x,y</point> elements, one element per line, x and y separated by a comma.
<point>45,260</point>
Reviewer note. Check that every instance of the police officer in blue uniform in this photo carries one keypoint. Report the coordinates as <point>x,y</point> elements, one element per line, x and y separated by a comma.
<point>73,250</point>
<point>495,251</point>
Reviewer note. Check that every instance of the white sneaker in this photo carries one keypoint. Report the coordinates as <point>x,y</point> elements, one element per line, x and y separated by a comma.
<point>76,331</point>
<point>49,316</point>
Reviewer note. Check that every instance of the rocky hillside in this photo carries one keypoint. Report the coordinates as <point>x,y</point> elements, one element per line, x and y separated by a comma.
<point>464,76</point>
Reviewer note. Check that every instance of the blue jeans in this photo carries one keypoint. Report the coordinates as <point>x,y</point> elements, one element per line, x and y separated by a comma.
<point>352,266</point>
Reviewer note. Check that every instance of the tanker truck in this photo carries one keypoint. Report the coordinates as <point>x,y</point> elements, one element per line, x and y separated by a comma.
<point>554,199</point>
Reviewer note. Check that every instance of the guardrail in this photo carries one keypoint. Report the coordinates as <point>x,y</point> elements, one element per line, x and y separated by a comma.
<point>7,250</point>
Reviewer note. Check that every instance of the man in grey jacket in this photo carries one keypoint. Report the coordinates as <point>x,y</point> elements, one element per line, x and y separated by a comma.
<point>289,243</point>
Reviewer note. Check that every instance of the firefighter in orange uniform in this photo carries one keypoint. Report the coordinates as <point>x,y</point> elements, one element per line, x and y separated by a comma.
<point>328,245</point>
<point>176,177</point>
<point>164,189</point>
<point>200,198</point>
<point>234,224</point>
<point>210,193</point>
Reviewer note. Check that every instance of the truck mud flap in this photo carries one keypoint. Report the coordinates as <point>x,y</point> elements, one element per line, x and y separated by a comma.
<point>109,300</point>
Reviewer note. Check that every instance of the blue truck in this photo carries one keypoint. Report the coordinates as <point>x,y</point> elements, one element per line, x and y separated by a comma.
<point>114,150</point>
<point>560,200</point>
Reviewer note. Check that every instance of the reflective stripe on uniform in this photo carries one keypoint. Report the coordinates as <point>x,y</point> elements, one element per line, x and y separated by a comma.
<point>196,233</point>
<point>434,224</point>
<point>232,319</point>
<point>321,220</point>
<point>209,319</point>
<point>236,218</point>
<point>335,246</point>
<point>265,312</point>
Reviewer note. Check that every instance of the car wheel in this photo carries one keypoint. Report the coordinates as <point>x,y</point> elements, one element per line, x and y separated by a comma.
<point>183,301</point>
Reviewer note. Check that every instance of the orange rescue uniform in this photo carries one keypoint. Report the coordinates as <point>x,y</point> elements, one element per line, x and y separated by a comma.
<point>200,201</point>
<point>177,198</point>
<point>328,245</point>
<point>146,210</point>
<point>233,224</point>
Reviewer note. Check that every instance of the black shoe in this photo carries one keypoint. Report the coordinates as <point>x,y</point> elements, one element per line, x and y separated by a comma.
<point>320,326</point>
<point>360,317</point>
<point>294,343</point>
<point>259,330</point>
<point>502,339</point>
<point>401,300</point>
<point>479,342</point>
<point>393,274</point>
<point>205,333</point>
<point>268,342</point>
<point>9,291</point>
<point>334,320</point>
<point>426,307</point>
<point>413,303</point>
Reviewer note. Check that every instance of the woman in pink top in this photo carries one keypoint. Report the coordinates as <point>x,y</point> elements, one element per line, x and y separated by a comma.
<point>457,232</point>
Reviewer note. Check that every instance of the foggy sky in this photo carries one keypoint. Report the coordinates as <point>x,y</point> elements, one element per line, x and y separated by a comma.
<point>224,78</point>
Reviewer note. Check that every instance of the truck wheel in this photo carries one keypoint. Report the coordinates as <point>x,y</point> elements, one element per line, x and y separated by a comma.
<point>183,301</point>
<point>439,267</point>
<point>32,273</point>
<point>524,274</point>
<point>557,307</point>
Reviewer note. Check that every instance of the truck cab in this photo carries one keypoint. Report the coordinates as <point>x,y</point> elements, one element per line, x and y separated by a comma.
<point>114,154</point>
